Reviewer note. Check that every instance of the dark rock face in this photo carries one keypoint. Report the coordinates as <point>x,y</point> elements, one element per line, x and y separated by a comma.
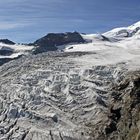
<point>7,41</point>
<point>124,113</point>
<point>104,38</point>
<point>6,52</point>
<point>6,60</point>
<point>52,40</point>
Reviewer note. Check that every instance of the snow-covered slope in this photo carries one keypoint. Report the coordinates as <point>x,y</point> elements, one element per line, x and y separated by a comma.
<point>112,46</point>
<point>124,31</point>
<point>16,50</point>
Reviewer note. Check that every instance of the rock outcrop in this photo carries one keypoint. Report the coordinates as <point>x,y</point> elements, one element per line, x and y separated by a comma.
<point>52,40</point>
<point>125,111</point>
<point>123,115</point>
<point>7,41</point>
<point>6,60</point>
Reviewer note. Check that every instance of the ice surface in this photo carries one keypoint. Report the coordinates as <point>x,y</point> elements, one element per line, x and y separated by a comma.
<point>63,96</point>
<point>17,50</point>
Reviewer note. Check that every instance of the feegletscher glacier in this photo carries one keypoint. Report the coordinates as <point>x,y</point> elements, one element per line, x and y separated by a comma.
<point>72,86</point>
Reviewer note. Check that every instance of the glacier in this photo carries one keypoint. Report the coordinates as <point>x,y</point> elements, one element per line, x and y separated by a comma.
<point>82,93</point>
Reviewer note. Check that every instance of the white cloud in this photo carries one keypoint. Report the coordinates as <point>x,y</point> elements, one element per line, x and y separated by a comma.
<point>10,25</point>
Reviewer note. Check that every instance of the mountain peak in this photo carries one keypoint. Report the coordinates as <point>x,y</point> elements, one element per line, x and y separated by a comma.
<point>52,40</point>
<point>137,24</point>
<point>7,41</point>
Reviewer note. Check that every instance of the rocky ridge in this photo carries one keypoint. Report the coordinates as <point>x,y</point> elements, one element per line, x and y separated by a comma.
<point>51,41</point>
<point>7,41</point>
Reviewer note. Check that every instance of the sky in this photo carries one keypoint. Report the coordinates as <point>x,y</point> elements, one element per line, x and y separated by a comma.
<point>24,21</point>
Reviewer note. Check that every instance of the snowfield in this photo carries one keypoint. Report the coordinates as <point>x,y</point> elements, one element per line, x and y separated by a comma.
<point>17,50</point>
<point>119,49</point>
<point>67,95</point>
<point>121,38</point>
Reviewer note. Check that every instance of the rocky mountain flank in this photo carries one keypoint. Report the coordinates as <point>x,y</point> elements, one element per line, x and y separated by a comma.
<point>52,96</point>
<point>123,111</point>
<point>52,40</point>
<point>7,41</point>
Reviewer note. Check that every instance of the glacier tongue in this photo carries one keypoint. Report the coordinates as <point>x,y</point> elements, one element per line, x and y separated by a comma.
<point>53,96</point>
<point>68,96</point>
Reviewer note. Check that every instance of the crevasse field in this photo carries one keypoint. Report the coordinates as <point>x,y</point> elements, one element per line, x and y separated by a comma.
<point>67,95</point>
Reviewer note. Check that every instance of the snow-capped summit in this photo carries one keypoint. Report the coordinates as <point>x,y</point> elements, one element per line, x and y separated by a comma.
<point>135,25</point>
<point>122,38</point>
<point>124,31</point>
